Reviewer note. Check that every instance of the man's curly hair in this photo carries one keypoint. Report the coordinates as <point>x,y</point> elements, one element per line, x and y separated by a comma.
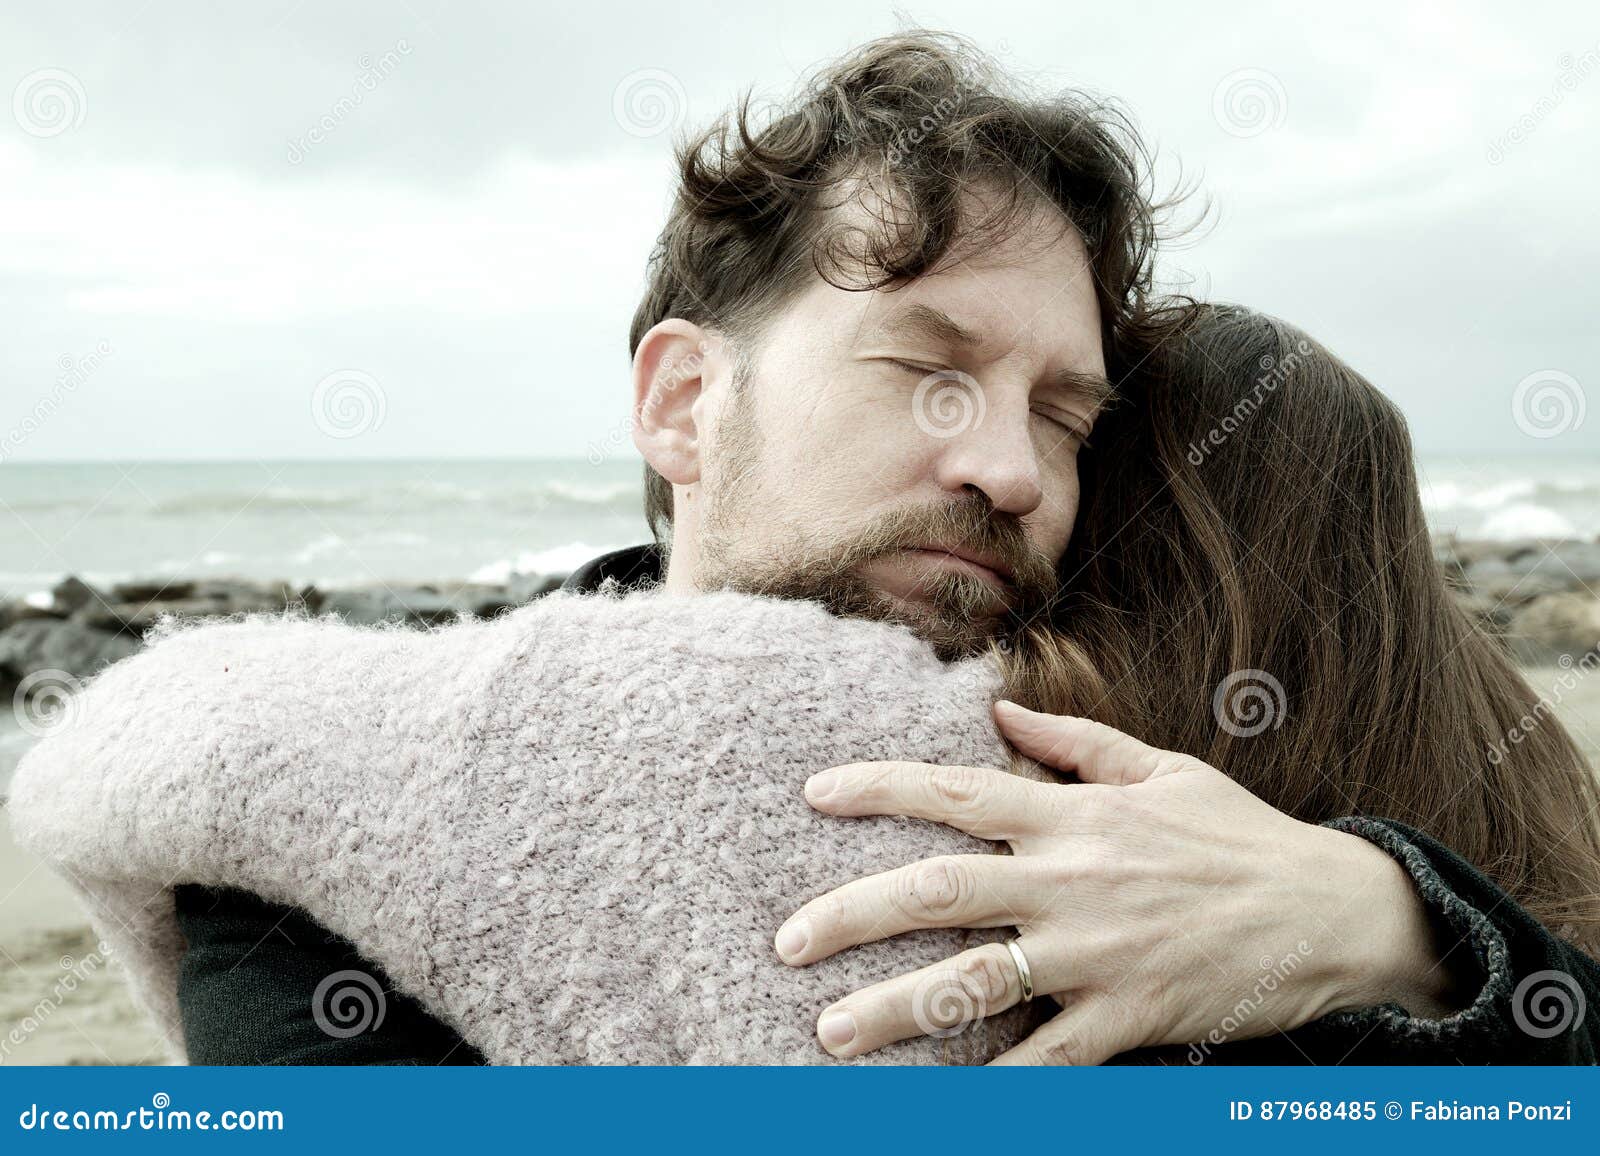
<point>918,120</point>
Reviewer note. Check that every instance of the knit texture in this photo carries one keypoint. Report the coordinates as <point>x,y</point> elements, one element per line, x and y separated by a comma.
<point>571,831</point>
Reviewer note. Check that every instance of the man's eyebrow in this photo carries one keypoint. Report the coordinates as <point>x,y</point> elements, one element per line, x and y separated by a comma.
<point>1095,387</point>
<point>919,320</point>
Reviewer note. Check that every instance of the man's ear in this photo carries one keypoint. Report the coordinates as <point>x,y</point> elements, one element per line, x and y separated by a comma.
<point>667,382</point>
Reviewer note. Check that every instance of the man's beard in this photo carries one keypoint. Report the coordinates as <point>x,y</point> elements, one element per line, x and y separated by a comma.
<point>960,614</point>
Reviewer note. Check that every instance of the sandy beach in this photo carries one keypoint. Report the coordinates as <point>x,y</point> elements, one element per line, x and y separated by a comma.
<point>57,991</point>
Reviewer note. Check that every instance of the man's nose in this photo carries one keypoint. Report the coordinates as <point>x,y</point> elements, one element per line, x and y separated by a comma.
<point>993,452</point>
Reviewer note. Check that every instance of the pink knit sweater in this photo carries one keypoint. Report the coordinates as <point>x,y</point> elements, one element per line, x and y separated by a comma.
<point>571,831</point>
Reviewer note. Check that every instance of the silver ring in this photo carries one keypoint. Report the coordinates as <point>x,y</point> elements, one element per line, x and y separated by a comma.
<point>1024,972</point>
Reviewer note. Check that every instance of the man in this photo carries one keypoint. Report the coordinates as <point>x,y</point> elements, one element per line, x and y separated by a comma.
<point>876,333</point>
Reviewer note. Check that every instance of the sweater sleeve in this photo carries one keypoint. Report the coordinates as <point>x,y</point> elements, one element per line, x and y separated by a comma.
<point>1535,994</point>
<point>250,982</point>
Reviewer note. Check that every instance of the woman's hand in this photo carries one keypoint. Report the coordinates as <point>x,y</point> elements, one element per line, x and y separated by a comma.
<point>1157,900</point>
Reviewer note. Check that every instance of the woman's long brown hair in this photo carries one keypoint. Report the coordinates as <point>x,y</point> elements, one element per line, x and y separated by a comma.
<point>1251,520</point>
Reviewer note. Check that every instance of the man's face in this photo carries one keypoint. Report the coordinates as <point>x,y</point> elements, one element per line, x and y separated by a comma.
<point>911,455</point>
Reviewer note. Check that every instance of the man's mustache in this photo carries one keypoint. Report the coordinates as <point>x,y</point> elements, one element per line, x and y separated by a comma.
<point>973,527</point>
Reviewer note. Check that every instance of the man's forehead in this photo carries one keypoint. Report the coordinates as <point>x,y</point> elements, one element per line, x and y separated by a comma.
<point>1027,264</point>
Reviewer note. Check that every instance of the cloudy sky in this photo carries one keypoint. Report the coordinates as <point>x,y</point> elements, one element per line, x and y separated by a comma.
<point>204,214</point>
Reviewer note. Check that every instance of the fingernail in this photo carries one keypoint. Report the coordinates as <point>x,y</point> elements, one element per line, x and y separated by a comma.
<point>1007,704</point>
<point>792,939</point>
<point>836,1029</point>
<point>820,786</point>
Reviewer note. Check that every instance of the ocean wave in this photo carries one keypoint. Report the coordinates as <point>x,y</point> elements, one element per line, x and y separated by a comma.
<point>208,560</point>
<point>598,495</point>
<point>243,501</point>
<point>413,496</point>
<point>555,560</point>
<point>1462,495</point>
<point>1500,505</point>
<point>319,547</point>
<point>1526,522</point>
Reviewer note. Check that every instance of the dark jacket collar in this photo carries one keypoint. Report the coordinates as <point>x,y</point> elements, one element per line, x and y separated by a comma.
<point>632,566</point>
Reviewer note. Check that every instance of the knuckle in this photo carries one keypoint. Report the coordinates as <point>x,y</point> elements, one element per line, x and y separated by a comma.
<point>937,888</point>
<point>986,972</point>
<point>1062,1050</point>
<point>955,787</point>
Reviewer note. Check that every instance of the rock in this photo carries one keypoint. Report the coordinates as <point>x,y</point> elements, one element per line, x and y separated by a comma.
<point>1555,625</point>
<point>425,605</point>
<point>137,617</point>
<point>478,599</point>
<point>1444,553</point>
<point>1470,550</point>
<point>72,593</point>
<point>150,590</point>
<point>1490,613</point>
<point>57,644</point>
<point>526,587</point>
<point>1574,565</point>
<point>211,597</point>
<point>1490,568</point>
<point>1522,571</point>
<point>1506,582</point>
<point>19,611</point>
<point>236,596</point>
<point>369,605</point>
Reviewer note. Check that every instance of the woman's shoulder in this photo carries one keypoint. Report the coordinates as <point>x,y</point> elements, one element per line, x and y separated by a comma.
<point>739,674</point>
<point>726,626</point>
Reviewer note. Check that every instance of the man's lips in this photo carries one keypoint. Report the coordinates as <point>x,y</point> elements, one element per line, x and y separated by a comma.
<point>968,561</point>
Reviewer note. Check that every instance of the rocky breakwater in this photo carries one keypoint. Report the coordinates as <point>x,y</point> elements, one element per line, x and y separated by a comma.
<point>48,645</point>
<point>1541,597</point>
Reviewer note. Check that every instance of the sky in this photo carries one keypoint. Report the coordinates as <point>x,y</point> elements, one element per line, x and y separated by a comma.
<point>297,230</point>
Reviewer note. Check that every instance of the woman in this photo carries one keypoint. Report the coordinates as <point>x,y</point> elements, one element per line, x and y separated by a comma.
<point>1252,582</point>
<point>1281,530</point>
<point>432,822</point>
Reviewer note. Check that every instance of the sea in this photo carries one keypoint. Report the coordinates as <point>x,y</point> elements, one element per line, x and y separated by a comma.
<point>329,523</point>
<point>353,522</point>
